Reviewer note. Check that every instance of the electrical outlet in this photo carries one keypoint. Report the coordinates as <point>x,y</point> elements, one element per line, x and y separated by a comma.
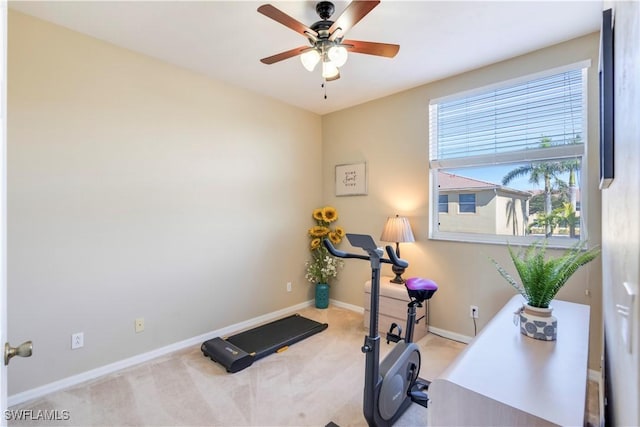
<point>77,340</point>
<point>473,311</point>
<point>139,325</point>
<point>288,286</point>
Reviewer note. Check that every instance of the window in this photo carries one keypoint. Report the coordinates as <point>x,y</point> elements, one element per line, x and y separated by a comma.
<point>443,203</point>
<point>512,155</point>
<point>467,203</point>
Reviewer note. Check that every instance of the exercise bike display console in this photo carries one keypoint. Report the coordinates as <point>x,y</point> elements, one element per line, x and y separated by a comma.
<point>391,386</point>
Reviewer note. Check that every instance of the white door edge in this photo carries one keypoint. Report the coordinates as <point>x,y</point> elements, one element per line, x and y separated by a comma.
<point>3,206</point>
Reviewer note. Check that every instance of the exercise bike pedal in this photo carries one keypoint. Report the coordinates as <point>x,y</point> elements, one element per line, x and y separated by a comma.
<point>394,337</point>
<point>418,392</point>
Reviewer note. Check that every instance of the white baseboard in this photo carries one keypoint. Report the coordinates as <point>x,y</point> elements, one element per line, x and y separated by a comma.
<point>73,380</point>
<point>347,306</point>
<point>450,335</point>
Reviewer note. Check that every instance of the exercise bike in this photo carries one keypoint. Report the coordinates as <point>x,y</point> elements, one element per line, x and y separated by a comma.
<point>389,387</point>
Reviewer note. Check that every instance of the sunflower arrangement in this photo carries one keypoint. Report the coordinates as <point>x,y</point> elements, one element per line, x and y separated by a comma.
<point>322,265</point>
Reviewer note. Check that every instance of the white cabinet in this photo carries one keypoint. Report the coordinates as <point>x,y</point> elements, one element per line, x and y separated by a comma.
<point>504,378</point>
<point>393,308</point>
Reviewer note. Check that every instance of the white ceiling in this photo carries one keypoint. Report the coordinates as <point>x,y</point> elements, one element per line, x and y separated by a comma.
<point>226,39</point>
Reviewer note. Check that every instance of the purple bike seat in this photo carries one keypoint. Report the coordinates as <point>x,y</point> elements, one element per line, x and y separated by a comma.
<point>420,289</point>
<point>420,284</point>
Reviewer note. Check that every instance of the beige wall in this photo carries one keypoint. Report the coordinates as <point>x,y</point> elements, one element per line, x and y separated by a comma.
<point>620,213</point>
<point>138,189</point>
<point>392,136</point>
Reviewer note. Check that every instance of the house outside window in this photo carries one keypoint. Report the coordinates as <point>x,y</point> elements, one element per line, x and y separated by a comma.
<point>508,160</point>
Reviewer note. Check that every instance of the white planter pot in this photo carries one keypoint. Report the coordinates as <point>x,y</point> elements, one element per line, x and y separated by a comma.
<point>538,323</point>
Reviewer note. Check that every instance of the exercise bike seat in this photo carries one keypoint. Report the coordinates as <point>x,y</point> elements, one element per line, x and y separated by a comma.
<point>420,289</point>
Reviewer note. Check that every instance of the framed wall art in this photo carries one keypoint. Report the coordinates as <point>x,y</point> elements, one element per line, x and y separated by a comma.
<point>351,179</point>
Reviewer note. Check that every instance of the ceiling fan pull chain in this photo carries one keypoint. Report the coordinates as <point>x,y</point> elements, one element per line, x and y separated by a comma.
<point>324,86</point>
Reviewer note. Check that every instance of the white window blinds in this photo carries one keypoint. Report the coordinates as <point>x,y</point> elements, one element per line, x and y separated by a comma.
<point>539,113</point>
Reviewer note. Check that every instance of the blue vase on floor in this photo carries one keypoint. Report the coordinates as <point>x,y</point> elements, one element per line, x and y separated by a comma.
<point>322,295</point>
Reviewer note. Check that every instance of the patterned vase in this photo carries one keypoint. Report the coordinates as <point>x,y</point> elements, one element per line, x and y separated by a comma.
<point>538,323</point>
<point>322,295</point>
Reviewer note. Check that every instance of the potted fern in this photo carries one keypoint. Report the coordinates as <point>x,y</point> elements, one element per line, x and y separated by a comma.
<point>541,279</point>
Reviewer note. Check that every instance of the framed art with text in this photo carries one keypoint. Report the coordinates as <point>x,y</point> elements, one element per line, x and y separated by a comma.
<point>606,100</point>
<point>351,179</point>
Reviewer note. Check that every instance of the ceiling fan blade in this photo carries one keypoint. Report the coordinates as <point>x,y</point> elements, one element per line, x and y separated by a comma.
<point>284,55</point>
<point>277,15</point>
<point>356,10</point>
<point>371,48</point>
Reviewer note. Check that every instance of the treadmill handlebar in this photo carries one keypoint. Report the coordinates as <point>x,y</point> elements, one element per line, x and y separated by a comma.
<point>393,258</point>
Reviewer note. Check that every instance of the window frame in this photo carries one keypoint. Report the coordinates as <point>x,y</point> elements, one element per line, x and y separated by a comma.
<point>530,155</point>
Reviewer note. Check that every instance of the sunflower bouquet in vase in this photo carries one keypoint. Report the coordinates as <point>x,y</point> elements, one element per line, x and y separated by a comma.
<point>322,267</point>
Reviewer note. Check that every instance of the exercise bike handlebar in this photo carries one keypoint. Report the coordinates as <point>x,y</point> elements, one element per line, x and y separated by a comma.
<point>393,258</point>
<point>341,254</point>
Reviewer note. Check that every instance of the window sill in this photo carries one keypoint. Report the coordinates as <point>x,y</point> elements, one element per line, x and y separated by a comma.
<point>553,242</point>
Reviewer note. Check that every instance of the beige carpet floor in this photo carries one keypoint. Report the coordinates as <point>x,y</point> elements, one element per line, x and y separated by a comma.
<point>314,382</point>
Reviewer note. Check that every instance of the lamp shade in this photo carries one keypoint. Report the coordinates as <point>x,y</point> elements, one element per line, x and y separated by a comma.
<point>397,229</point>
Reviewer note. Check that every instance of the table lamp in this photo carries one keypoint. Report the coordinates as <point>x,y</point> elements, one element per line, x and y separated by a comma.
<point>397,229</point>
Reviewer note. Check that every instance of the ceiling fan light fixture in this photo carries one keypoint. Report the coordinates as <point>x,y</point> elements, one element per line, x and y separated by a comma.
<point>309,59</point>
<point>326,37</point>
<point>329,70</point>
<point>338,55</point>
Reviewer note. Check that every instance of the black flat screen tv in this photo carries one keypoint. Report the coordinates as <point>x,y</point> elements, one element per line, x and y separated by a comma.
<point>606,100</point>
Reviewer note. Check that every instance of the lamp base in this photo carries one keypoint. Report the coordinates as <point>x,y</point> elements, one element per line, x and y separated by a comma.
<point>398,272</point>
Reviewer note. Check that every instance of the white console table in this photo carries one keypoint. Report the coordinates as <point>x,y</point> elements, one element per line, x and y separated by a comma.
<point>393,302</point>
<point>504,378</point>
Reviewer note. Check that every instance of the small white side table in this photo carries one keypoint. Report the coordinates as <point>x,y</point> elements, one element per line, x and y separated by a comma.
<point>393,308</point>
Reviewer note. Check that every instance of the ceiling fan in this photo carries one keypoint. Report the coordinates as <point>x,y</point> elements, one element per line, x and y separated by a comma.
<point>326,37</point>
